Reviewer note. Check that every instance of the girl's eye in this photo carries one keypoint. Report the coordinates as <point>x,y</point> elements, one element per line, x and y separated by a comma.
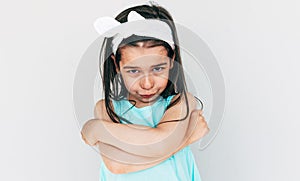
<point>158,69</point>
<point>133,71</point>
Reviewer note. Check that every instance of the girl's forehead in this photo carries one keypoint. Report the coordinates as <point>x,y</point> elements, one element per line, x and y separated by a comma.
<point>131,55</point>
<point>132,51</point>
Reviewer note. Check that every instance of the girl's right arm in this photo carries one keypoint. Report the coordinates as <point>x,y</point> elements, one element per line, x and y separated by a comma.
<point>138,139</point>
<point>121,162</point>
<point>196,130</point>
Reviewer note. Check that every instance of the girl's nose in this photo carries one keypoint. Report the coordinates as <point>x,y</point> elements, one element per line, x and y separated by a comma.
<point>147,82</point>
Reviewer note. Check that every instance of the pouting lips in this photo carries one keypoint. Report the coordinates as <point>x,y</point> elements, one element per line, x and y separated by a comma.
<point>147,96</point>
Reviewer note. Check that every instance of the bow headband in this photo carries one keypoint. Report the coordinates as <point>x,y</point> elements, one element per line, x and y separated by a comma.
<point>137,25</point>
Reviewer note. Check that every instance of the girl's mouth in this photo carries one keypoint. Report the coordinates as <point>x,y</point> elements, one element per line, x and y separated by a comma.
<point>147,96</point>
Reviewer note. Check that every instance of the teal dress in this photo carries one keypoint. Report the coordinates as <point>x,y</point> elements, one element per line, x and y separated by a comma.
<point>179,167</point>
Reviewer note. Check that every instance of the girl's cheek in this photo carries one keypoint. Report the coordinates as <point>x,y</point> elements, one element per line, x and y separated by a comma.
<point>163,77</point>
<point>131,83</point>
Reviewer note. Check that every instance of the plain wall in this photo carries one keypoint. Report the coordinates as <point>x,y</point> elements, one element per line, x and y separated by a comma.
<point>255,42</point>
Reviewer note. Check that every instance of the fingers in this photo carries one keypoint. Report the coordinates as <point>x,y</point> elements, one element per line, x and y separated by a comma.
<point>197,111</point>
<point>198,115</point>
<point>84,139</point>
<point>200,112</point>
<point>201,126</point>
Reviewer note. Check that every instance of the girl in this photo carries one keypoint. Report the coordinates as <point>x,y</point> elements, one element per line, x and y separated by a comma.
<point>145,90</point>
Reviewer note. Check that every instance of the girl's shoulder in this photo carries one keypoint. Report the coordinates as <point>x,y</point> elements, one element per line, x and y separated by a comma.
<point>190,97</point>
<point>100,110</point>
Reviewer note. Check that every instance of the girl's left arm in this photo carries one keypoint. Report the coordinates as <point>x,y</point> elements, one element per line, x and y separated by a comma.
<point>195,131</point>
<point>119,161</point>
<point>139,139</point>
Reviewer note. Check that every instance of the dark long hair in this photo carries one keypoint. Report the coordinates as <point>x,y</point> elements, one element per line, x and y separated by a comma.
<point>113,85</point>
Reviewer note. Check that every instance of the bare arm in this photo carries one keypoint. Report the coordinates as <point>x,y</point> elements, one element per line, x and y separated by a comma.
<point>118,161</point>
<point>138,139</point>
<point>119,155</point>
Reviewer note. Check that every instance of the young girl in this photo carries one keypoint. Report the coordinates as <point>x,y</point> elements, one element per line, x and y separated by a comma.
<point>145,91</point>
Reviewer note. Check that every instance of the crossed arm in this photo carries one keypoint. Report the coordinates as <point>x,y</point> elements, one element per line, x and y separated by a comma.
<point>149,146</point>
<point>122,156</point>
<point>139,139</point>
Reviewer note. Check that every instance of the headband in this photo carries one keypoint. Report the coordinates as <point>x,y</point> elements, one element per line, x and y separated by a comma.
<point>136,25</point>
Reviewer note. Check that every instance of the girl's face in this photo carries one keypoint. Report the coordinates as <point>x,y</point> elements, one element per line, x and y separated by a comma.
<point>145,72</point>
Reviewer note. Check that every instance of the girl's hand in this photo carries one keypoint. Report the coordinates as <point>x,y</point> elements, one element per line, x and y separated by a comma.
<point>84,138</point>
<point>201,128</point>
<point>87,132</point>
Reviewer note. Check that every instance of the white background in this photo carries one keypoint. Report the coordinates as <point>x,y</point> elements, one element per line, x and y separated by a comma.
<point>256,44</point>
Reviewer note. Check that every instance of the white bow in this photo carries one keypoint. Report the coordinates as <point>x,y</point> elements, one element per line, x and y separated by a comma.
<point>104,24</point>
<point>137,24</point>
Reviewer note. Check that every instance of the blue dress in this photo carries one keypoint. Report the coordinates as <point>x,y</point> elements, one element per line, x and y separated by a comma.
<point>179,167</point>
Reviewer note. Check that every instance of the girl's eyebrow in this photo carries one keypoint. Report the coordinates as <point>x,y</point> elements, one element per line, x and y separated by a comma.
<point>132,67</point>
